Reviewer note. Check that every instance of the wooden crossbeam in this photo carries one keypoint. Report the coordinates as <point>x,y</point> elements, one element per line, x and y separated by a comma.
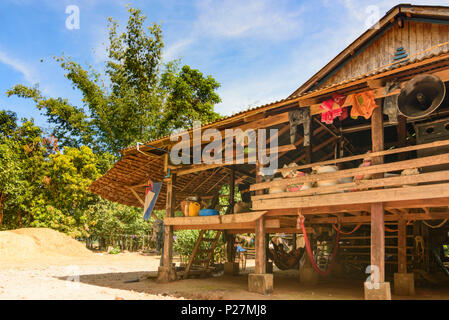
<point>363,184</point>
<point>387,218</point>
<point>137,196</point>
<point>220,219</point>
<point>436,144</point>
<point>395,166</point>
<point>361,197</point>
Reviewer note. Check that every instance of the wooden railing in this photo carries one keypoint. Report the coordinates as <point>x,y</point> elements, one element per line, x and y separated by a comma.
<point>399,187</point>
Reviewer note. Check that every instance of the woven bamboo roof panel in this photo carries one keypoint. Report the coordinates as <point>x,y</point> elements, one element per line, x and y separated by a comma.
<point>135,170</point>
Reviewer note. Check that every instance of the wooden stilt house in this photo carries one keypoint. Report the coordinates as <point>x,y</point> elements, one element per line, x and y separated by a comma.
<point>369,137</point>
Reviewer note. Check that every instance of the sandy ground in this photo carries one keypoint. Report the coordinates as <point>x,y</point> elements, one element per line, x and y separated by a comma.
<point>101,276</point>
<point>104,276</point>
<point>45,264</point>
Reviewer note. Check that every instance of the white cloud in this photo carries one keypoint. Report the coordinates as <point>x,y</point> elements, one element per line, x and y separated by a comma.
<point>174,50</point>
<point>263,19</point>
<point>19,66</point>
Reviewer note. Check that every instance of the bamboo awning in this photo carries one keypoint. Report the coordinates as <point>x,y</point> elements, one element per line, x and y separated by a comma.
<point>125,182</point>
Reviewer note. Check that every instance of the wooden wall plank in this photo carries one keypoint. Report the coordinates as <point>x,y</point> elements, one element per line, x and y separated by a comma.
<point>413,37</point>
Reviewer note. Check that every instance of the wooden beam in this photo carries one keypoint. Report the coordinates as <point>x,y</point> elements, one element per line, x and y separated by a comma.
<point>379,92</point>
<point>168,230</point>
<point>402,135</point>
<point>137,196</point>
<point>211,175</point>
<point>272,223</point>
<point>387,218</point>
<point>436,144</point>
<point>363,185</point>
<point>232,190</point>
<point>260,250</point>
<point>221,219</point>
<point>377,209</point>
<point>379,168</point>
<point>272,230</point>
<point>402,243</point>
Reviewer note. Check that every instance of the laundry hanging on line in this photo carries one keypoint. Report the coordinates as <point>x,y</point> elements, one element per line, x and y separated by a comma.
<point>296,118</point>
<point>332,108</point>
<point>363,104</point>
<point>390,106</point>
<point>152,191</point>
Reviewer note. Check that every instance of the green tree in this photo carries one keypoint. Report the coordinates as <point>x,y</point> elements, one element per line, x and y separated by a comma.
<point>22,160</point>
<point>132,100</point>
<point>64,199</point>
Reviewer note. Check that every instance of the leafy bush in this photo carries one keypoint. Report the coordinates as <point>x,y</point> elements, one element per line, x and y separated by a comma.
<point>186,240</point>
<point>115,250</point>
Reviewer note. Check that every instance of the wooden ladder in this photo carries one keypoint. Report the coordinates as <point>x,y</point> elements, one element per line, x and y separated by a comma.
<point>196,250</point>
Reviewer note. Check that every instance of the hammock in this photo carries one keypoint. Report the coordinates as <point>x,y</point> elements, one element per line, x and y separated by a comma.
<point>309,251</point>
<point>347,233</point>
<point>437,226</point>
<point>285,260</point>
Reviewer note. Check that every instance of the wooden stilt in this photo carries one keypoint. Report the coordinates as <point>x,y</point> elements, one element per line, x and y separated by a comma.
<point>166,272</point>
<point>377,209</point>
<point>378,239</point>
<point>381,289</point>
<point>402,243</point>
<point>261,261</point>
<point>168,230</point>
<point>404,283</point>
<point>230,238</point>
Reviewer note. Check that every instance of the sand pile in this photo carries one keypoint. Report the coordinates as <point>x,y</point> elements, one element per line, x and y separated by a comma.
<point>37,244</point>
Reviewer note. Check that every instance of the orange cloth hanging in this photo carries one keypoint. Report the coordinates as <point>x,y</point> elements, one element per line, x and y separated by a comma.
<point>363,104</point>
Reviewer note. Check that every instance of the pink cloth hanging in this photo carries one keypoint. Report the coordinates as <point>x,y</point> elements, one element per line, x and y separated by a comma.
<point>332,108</point>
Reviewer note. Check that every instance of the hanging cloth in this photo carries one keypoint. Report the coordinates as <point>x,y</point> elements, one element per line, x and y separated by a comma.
<point>296,118</point>
<point>151,193</point>
<point>332,108</point>
<point>363,105</point>
<point>390,107</point>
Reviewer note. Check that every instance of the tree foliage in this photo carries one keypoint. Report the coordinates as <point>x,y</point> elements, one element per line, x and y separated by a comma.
<point>44,179</point>
<point>132,100</point>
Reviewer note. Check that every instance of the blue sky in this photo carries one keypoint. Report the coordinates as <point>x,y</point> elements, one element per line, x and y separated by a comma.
<point>259,50</point>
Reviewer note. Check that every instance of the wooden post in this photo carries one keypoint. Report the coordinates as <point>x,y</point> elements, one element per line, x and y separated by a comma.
<point>230,238</point>
<point>402,135</point>
<point>168,230</point>
<point>258,177</point>
<point>377,209</point>
<point>404,283</point>
<point>402,246</point>
<point>261,261</point>
<point>232,190</point>
<point>378,239</point>
<point>381,291</point>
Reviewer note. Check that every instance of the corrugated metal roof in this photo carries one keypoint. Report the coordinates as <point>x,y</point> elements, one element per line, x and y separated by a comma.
<point>375,72</point>
<point>237,116</point>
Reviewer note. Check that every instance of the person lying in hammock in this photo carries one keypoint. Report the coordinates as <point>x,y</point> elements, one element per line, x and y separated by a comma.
<point>282,259</point>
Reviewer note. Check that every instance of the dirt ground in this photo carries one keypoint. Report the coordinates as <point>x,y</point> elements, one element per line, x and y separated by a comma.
<point>104,276</point>
<point>66,270</point>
